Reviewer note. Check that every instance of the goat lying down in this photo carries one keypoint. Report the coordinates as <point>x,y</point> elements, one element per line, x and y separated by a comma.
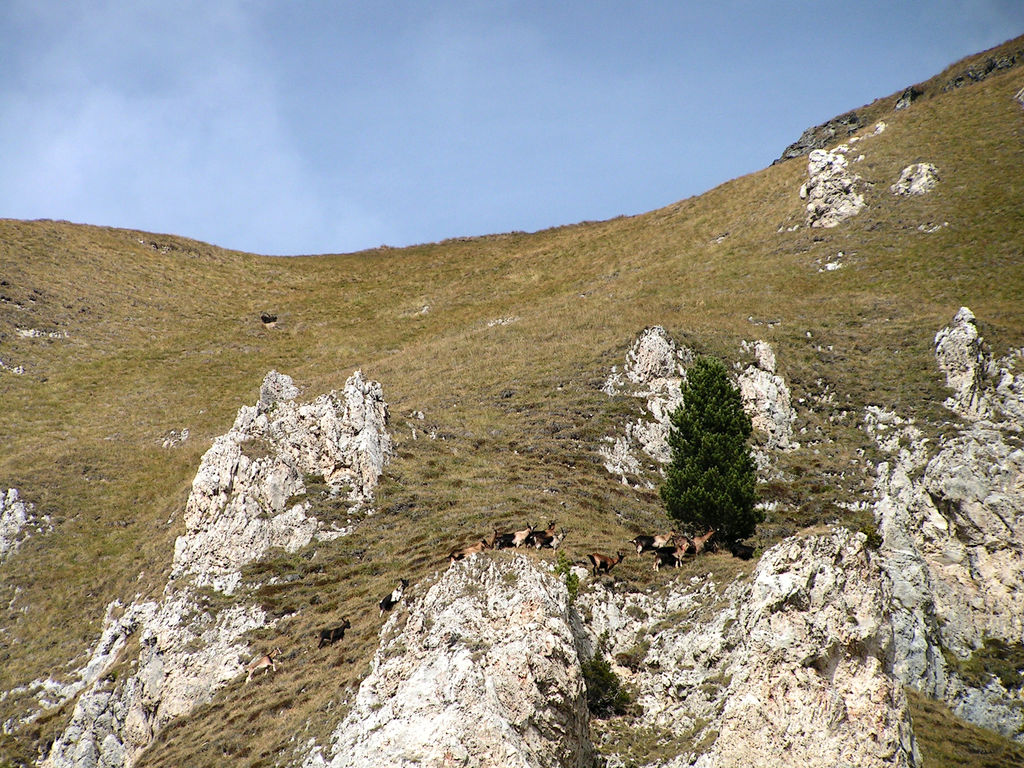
<point>472,549</point>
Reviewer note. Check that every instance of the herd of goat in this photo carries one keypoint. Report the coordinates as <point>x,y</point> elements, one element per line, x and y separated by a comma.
<point>669,549</point>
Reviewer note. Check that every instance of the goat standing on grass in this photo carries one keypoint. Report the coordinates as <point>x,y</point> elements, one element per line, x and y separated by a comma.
<point>700,543</point>
<point>390,601</point>
<point>545,538</point>
<point>520,537</point>
<point>603,563</point>
<point>651,543</point>
<point>265,662</point>
<point>672,556</point>
<point>330,636</point>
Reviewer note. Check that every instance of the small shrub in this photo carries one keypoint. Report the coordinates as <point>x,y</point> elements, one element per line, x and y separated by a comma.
<point>572,581</point>
<point>996,658</point>
<point>633,659</point>
<point>606,696</point>
<point>874,538</point>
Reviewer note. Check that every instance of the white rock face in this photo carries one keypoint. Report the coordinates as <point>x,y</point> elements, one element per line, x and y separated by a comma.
<point>952,522</point>
<point>916,179</point>
<point>983,388</point>
<point>241,505</point>
<point>14,516</point>
<point>655,369</point>
<point>767,400</point>
<point>484,672</point>
<point>18,521</point>
<point>186,654</point>
<point>793,666</point>
<point>831,190</point>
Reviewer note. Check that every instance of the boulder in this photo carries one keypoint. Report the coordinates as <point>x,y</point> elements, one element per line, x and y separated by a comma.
<point>916,179</point>
<point>831,191</point>
<point>908,97</point>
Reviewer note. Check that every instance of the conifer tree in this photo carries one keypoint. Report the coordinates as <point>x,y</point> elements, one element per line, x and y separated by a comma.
<point>710,480</point>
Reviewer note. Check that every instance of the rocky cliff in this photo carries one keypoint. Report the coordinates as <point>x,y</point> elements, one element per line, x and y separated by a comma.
<point>951,516</point>
<point>654,370</point>
<point>804,659</point>
<point>485,668</point>
<point>248,496</point>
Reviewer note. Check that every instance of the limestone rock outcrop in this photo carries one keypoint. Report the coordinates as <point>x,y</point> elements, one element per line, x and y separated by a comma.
<point>831,191</point>
<point>655,369</point>
<point>951,516</point>
<point>820,136</point>
<point>185,654</point>
<point>18,521</point>
<point>249,493</point>
<point>483,671</point>
<point>916,179</point>
<point>983,387</point>
<point>767,400</point>
<point>794,664</point>
<point>247,497</point>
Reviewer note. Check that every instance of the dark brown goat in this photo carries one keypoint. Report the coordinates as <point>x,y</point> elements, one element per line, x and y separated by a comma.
<point>331,636</point>
<point>742,551</point>
<point>541,539</point>
<point>672,556</point>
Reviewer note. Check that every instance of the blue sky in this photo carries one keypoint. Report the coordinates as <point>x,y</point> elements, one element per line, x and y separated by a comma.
<point>296,127</point>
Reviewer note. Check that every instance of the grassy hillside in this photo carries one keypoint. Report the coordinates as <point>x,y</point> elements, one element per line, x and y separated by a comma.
<point>163,333</point>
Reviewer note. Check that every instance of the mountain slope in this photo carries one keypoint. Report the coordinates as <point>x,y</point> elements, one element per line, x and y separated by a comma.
<point>503,343</point>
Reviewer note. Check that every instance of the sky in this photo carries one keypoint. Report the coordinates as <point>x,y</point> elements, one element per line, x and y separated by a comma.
<point>307,126</point>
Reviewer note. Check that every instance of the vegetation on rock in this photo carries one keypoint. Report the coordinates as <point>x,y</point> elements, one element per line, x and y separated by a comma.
<point>606,696</point>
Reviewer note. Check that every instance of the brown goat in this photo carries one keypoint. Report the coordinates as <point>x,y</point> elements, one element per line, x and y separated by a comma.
<point>265,662</point>
<point>472,549</point>
<point>603,563</point>
<point>520,537</point>
<point>663,539</point>
<point>700,543</point>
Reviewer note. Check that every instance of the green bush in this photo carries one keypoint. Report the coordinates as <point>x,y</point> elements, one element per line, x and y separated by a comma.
<point>606,695</point>
<point>710,480</point>
<point>572,581</point>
